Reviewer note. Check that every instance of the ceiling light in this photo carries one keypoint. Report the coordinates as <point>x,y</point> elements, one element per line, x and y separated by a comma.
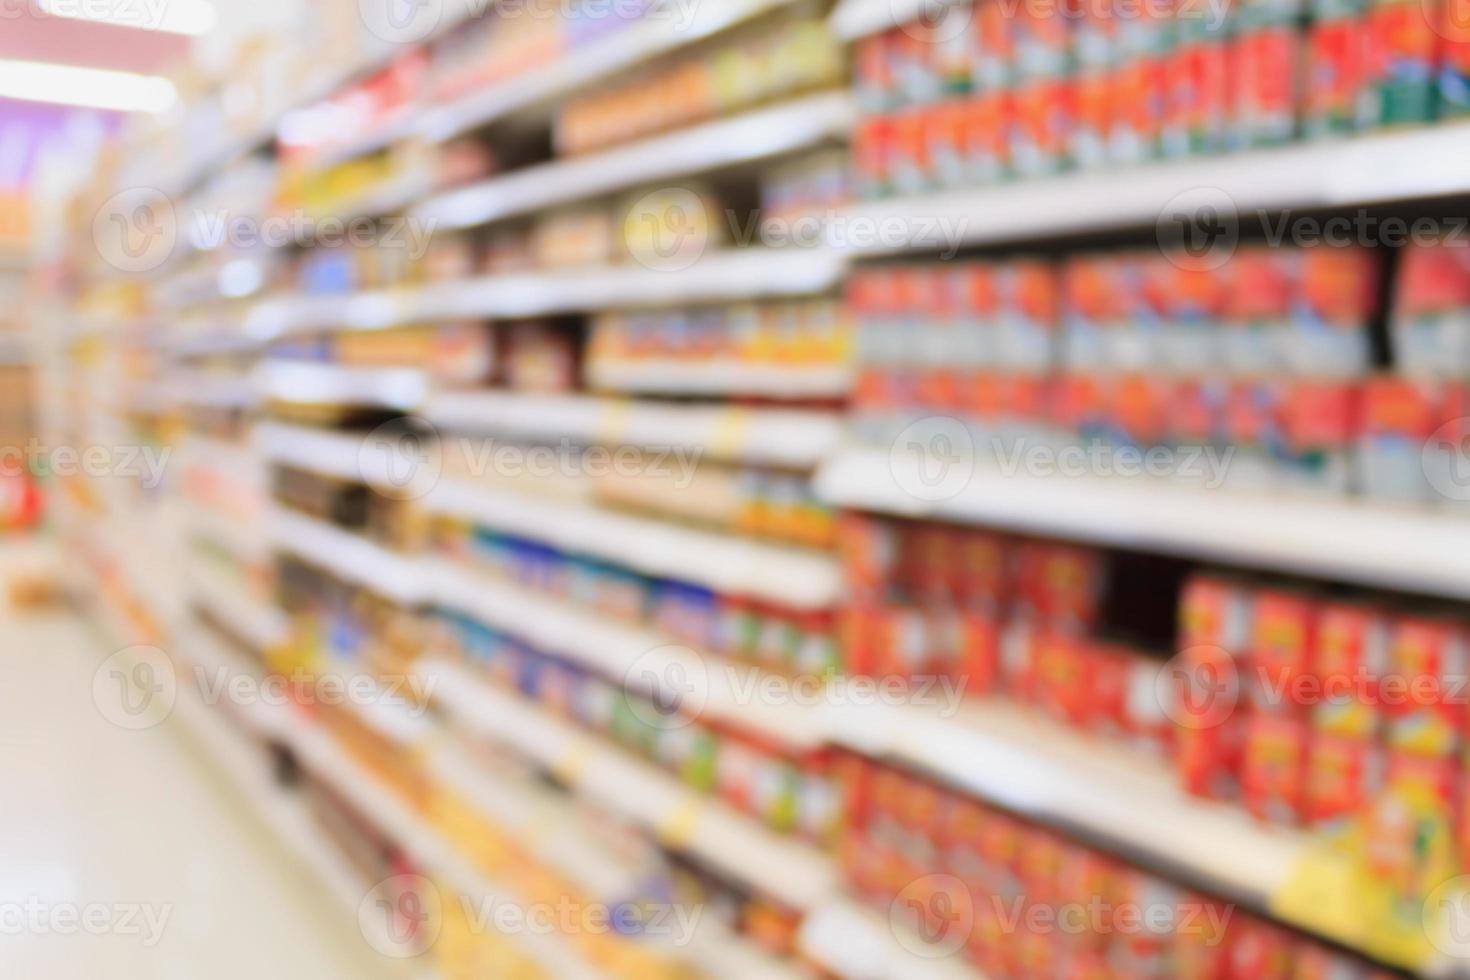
<point>97,88</point>
<point>193,17</point>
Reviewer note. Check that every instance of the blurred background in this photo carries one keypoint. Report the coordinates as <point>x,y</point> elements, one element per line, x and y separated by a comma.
<point>868,489</point>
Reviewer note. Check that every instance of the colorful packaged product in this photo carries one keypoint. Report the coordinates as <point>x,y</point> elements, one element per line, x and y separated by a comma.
<point>1266,64</point>
<point>1338,293</point>
<point>1264,282</point>
<point>1424,691</point>
<point>1351,660</point>
<point>1403,62</point>
<point>1273,767</point>
<point>1343,775</point>
<point>1431,314</point>
<point>1283,641</point>
<point>1333,92</point>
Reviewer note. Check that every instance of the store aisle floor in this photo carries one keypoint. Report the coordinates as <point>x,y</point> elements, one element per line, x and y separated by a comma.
<point>139,835</point>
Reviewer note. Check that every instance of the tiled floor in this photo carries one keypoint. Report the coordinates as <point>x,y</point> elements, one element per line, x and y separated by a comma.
<point>140,837</point>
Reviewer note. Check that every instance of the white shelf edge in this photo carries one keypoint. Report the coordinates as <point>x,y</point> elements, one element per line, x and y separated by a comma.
<point>742,139</point>
<point>854,19</point>
<point>1394,548</point>
<point>1368,169</point>
<point>790,870</point>
<point>349,557</point>
<point>789,577</point>
<point>855,943</point>
<point>615,650</point>
<point>318,383</point>
<point>780,437</point>
<point>667,377</point>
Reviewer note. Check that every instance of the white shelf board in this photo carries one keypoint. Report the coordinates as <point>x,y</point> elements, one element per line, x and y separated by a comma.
<point>1387,547</point>
<point>722,690</point>
<point>787,869</point>
<point>252,620</point>
<point>747,138</point>
<point>662,32</point>
<point>656,377</point>
<point>1106,792</point>
<point>729,564</point>
<point>317,383</point>
<point>350,557</point>
<point>774,437</point>
<point>1376,168</point>
<point>327,452</point>
<point>721,276</point>
<point>855,943</point>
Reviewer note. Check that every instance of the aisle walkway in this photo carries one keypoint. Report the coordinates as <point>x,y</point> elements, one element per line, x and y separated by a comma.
<point>141,828</point>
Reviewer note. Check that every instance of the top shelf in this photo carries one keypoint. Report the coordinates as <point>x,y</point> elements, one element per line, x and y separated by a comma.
<point>854,19</point>
<point>1420,164</point>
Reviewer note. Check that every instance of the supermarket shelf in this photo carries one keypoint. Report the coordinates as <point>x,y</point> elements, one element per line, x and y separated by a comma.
<point>207,390</point>
<point>734,274</point>
<point>1106,793</point>
<point>747,138</point>
<point>855,943</point>
<point>786,869</point>
<point>349,556</point>
<point>855,19</point>
<point>320,753</point>
<point>774,437</point>
<point>316,383</point>
<point>591,63</point>
<point>1400,549</point>
<point>1397,166</point>
<point>391,196</point>
<point>326,452</point>
<point>723,378</point>
<point>711,686</point>
<point>731,565</point>
<point>252,620</point>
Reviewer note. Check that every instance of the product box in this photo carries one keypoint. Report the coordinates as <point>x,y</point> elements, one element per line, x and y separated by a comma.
<point>1080,409</point>
<point>1096,94</point>
<point>871,150</point>
<point>1343,775</point>
<point>1216,611</point>
<point>1026,325</point>
<point>993,54</point>
<point>1197,430</point>
<point>876,89</point>
<point>1334,91</point>
<point>1273,768</point>
<point>1062,687</point>
<point>1254,414</point>
<point>1321,425</point>
<point>1263,283</point>
<point>1140,88</point>
<point>1424,691</point>
<point>912,60</point>
<point>1454,69</point>
<point>1283,641</point>
<point>1044,109</point>
<point>1338,294</point>
<point>1431,315</point>
<point>1197,98</point>
<point>1398,418</point>
<point>1192,303</point>
<point>1266,64</point>
<point>1138,414</point>
<point>1403,62</point>
<point>1042,31</point>
<point>1351,658</point>
<point>990,119</point>
<point>1094,307</point>
<point>1260,950</point>
<point>1210,724</point>
<point>909,164</point>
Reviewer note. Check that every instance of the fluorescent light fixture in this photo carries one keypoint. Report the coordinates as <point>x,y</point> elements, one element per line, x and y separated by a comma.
<point>96,88</point>
<point>192,17</point>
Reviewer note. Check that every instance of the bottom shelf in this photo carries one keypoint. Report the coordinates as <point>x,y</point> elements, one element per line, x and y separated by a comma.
<point>856,943</point>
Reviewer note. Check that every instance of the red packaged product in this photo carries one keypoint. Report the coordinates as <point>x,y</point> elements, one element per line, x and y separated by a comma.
<point>982,571</point>
<point>1215,611</point>
<point>1080,406</point>
<point>1431,315</point>
<point>1398,418</point>
<point>1336,69</point>
<point>1402,61</point>
<point>1424,691</point>
<point>1259,949</point>
<point>1201,948</point>
<point>1351,658</point>
<point>977,665</point>
<point>999,846</point>
<point>1060,584</point>
<point>910,168</point>
<point>1138,126</point>
<point>989,120</point>
<point>1210,722</point>
<point>1092,127</point>
<point>1283,639</point>
<point>1026,294</point>
<point>1322,424</point>
<point>1454,73</point>
<point>1343,775</point>
<point>1043,121</point>
<point>1039,864</point>
<point>873,68</point>
<point>962,821</point>
<point>1144,943</point>
<point>1089,879</point>
<point>1061,688</point>
<point>1095,306</point>
<point>1145,721</point>
<point>872,153</point>
<point>949,143</point>
<point>1339,292</point>
<point>1108,670</point>
<point>994,33</point>
<point>1042,31</point>
<point>1253,424</point>
<point>1139,406</point>
<point>1439,777</point>
<point>1266,63</point>
<point>1198,421</point>
<point>1273,768</point>
<point>1197,99</point>
<point>1258,313</point>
